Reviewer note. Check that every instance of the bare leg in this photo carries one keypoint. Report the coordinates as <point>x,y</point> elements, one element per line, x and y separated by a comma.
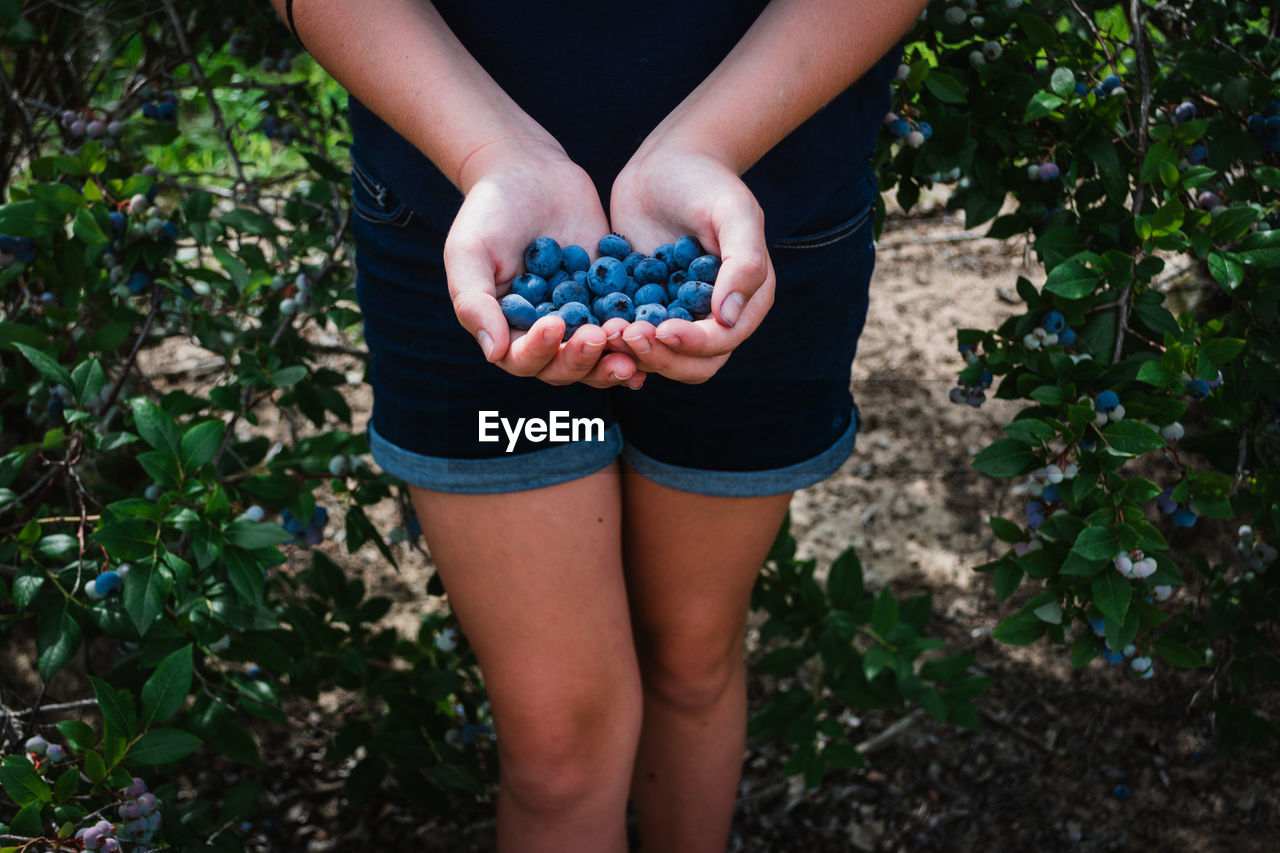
<point>536,580</point>
<point>691,561</point>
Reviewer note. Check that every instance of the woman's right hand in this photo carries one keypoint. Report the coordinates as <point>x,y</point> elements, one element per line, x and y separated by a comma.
<point>519,190</point>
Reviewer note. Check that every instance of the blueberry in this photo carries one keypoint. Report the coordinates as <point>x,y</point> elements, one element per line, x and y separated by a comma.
<point>26,250</point>
<point>704,268</point>
<point>678,312</point>
<point>544,308</point>
<point>575,315</point>
<point>569,291</point>
<point>55,752</point>
<point>36,744</point>
<point>1035,514</point>
<point>631,286</point>
<point>1198,389</point>
<point>149,110</point>
<point>1185,111</point>
<point>899,128</point>
<point>651,271</point>
<point>1112,657</point>
<point>1053,322</point>
<point>291,524</point>
<point>107,582</point>
<point>1081,89</point>
<point>167,111</point>
<point>651,294</point>
<point>696,296</point>
<point>1049,171</point>
<point>543,256</point>
<point>1067,337</point>
<point>534,288</point>
<point>139,281</point>
<point>574,258</point>
<point>8,244</point>
<point>685,250</point>
<point>631,260</point>
<point>1098,626</point>
<point>1106,401</point>
<point>1050,494</point>
<point>667,254</point>
<point>1166,503</point>
<point>926,129</point>
<point>118,221</point>
<point>520,313</point>
<point>607,275</point>
<point>651,313</point>
<point>1184,517</point>
<point>1110,82</point>
<point>580,276</point>
<point>617,305</point>
<point>613,246</point>
<point>169,231</point>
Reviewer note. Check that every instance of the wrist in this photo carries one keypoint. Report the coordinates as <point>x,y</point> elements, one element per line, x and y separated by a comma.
<point>501,152</point>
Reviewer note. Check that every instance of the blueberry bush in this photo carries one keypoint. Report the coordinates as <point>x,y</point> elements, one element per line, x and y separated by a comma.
<point>167,564</point>
<point>1133,146</point>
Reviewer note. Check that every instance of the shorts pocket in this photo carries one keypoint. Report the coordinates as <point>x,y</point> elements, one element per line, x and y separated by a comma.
<point>375,202</point>
<point>848,211</point>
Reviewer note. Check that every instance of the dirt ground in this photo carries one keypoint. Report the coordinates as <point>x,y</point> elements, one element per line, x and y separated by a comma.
<point>1055,742</point>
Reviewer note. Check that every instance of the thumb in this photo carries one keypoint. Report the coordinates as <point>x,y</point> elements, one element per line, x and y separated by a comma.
<point>745,264</point>
<point>473,289</point>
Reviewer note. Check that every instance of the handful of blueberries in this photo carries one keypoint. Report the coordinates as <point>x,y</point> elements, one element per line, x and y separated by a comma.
<point>675,281</point>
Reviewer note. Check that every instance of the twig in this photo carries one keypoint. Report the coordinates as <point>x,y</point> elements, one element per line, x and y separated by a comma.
<point>59,706</point>
<point>881,739</point>
<point>133,355</point>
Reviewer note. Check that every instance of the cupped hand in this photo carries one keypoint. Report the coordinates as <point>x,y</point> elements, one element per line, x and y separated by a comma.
<point>669,191</point>
<point>517,191</point>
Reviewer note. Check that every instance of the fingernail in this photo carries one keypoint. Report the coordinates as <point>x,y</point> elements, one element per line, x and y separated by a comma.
<point>639,343</point>
<point>613,335</point>
<point>550,337</point>
<point>593,344</point>
<point>670,339</point>
<point>731,308</point>
<point>613,377</point>
<point>486,344</point>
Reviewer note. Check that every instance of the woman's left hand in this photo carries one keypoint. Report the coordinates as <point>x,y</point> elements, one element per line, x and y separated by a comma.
<point>664,192</point>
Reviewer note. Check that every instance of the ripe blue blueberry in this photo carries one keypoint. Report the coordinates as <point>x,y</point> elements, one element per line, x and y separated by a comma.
<point>1106,401</point>
<point>1067,337</point>
<point>569,291</point>
<point>607,275</point>
<point>651,313</point>
<point>1050,494</point>
<point>696,296</point>
<point>1198,389</point>
<point>118,221</point>
<point>617,305</point>
<point>899,128</point>
<point>107,582</point>
<point>666,253</point>
<point>1110,82</point>
<point>1166,503</point>
<point>651,294</point>
<point>139,281</point>
<point>613,246</point>
<point>545,308</point>
<point>1048,171</point>
<point>1035,514</point>
<point>674,281</point>
<point>630,287</point>
<point>574,258</point>
<point>169,231</point>
<point>575,316</point>
<point>519,311</point>
<point>677,311</point>
<point>651,271</point>
<point>631,260</point>
<point>1185,111</point>
<point>1081,89</point>
<point>543,256</point>
<point>557,277</point>
<point>704,268</point>
<point>1112,657</point>
<point>1053,322</point>
<point>534,288</point>
<point>685,250</point>
<point>1198,154</point>
<point>1098,626</point>
<point>1184,517</point>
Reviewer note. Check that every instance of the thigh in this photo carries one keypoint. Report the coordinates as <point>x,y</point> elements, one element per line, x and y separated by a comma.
<point>535,579</point>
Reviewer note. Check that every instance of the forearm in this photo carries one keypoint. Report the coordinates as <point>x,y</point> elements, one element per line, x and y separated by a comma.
<point>795,58</point>
<point>400,59</point>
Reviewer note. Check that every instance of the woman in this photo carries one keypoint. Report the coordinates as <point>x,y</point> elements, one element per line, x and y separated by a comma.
<point>606,598</point>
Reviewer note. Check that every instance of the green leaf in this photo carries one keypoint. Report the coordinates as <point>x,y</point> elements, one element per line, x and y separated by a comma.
<point>1155,373</point>
<point>198,205</point>
<point>845,586</point>
<point>1072,280</point>
<point>79,734</point>
<point>1006,579</point>
<point>1226,269</point>
<point>57,639</point>
<point>1177,654</point>
<point>1041,105</point>
<point>53,372</point>
<point>156,427</point>
<point>249,222</point>
<point>21,219</point>
<point>1005,530</point>
<point>256,534</point>
<point>944,87</point>
<point>1111,594</point>
<point>24,785</point>
<point>1050,611</point>
<point>1086,647</point>
<point>1132,438</point>
<point>86,228</point>
<point>167,688</point>
<point>115,713</point>
<point>1005,457</point>
<point>162,746</point>
<point>1222,350</point>
<point>65,788</point>
<point>1030,430</point>
<point>146,589</point>
<point>1063,82</point>
<point>1097,543</point>
<point>127,539</point>
<point>200,443</point>
<point>884,615</point>
<point>286,376</point>
<point>1021,629</point>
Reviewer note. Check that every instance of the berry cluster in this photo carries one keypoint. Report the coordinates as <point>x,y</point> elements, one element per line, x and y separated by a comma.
<point>158,105</point>
<point>39,749</point>
<point>106,583</point>
<point>140,812</point>
<point>975,394</point>
<point>342,464</point>
<point>1046,171</point>
<point>1053,329</point>
<point>1252,551</point>
<point>312,533</point>
<point>675,282</point>
<point>1183,516</point>
<point>1141,664</point>
<point>1265,127</point>
<point>84,124</point>
<point>1200,389</point>
<point>136,221</point>
<point>910,131</point>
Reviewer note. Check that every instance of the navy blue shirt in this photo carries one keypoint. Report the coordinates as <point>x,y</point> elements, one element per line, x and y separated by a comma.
<point>599,76</point>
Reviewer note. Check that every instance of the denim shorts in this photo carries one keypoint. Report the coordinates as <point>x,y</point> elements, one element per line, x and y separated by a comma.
<point>776,417</point>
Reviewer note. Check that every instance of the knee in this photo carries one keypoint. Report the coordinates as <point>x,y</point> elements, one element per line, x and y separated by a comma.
<point>555,754</point>
<point>692,675</point>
